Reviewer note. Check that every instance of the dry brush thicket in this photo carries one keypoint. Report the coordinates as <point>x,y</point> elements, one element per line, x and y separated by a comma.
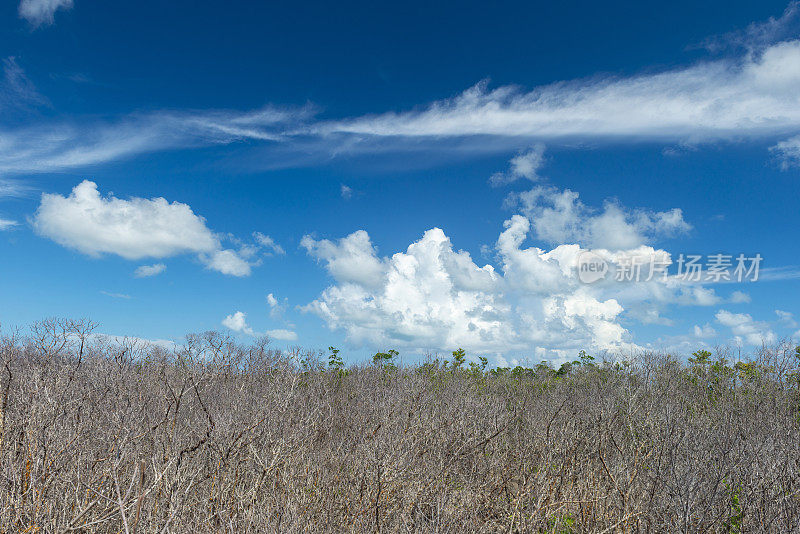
<point>212,436</point>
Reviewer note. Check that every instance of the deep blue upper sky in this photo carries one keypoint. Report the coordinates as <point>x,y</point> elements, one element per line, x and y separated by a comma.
<point>167,99</point>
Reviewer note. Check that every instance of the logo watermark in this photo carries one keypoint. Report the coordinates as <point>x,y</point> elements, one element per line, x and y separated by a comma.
<point>591,267</point>
<point>713,268</point>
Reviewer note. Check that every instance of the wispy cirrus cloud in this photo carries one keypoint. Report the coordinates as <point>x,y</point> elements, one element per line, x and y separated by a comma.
<point>759,35</point>
<point>750,94</point>
<point>7,224</point>
<point>44,147</point>
<point>14,189</point>
<point>16,89</point>
<point>788,152</point>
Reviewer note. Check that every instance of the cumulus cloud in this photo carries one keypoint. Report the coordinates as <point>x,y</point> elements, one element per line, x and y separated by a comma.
<point>42,12</point>
<point>238,323</point>
<point>282,334</point>
<point>745,329</point>
<point>559,216</point>
<point>705,331</point>
<point>227,262</point>
<point>524,165</point>
<point>786,318</point>
<point>346,192</point>
<point>352,259</point>
<point>428,296</point>
<point>432,296</point>
<point>739,297</point>
<point>697,295</point>
<point>134,229</point>
<point>276,306</point>
<point>145,271</point>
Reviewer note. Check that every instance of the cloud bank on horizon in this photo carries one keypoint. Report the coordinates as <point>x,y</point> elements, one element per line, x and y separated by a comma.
<point>432,295</point>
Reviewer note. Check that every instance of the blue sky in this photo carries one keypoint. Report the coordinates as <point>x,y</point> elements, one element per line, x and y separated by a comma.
<point>409,176</point>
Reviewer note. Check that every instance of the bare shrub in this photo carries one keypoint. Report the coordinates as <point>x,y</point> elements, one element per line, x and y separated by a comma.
<point>109,435</point>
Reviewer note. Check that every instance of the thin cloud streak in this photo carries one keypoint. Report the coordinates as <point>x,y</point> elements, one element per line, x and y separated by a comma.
<point>749,97</point>
<point>66,145</point>
<point>753,96</point>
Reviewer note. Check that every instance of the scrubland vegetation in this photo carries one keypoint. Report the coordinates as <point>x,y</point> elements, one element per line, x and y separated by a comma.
<point>102,435</point>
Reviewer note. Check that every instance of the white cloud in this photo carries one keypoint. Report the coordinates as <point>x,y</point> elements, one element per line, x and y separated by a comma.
<point>17,91</point>
<point>434,297</point>
<point>268,243</point>
<point>347,192</point>
<point>523,165</point>
<point>431,296</point>
<point>739,297</point>
<point>276,307</point>
<point>697,296</point>
<point>705,331</point>
<point>773,274</point>
<point>144,271</point>
<point>752,96</point>
<point>352,259</point>
<point>83,142</point>
<point>7,224</point>
<point>133,229</point>
<point>13,189</point>
<point>745,329</point>
<point>227,262</point>
<point>39,12</point>
<point>788,152</point>
<point>786,318</point>
<point>282,334</point>
<point>238,323</point>
<point>760,34</point>
<point>560,216</point>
